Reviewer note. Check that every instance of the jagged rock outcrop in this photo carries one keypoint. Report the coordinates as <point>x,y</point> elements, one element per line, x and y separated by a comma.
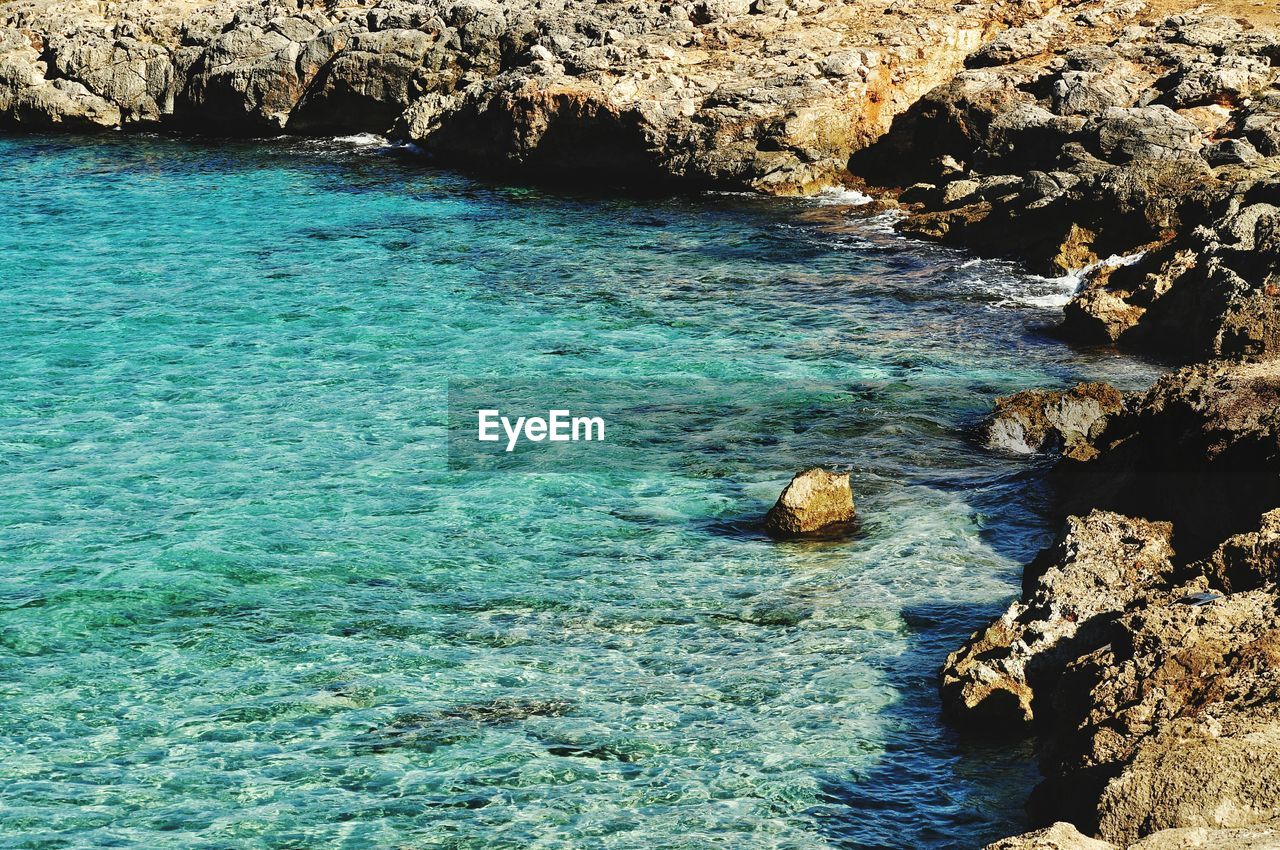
<point>1156,687</point>
<point>1064,836</point>
<point>1201,448</point>
<point>816,499</point>
<point>1247,561</point>
<point>1264,836</point>
<point>1212,290</point>
<point>1059,836</point>
<point>772,95</point>
<point>1152,675</point>
<point>1068,420</point>
<point>1102,135</point>
<point>1073,593</point>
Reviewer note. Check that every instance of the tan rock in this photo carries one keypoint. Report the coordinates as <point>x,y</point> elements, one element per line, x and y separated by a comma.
<point>1060,836</point>
<point>1072,594</point>
<point>1196,780</point>
<point>1260,837</point>
<point>815,499</point>
<point>1030,420</point>
<point>768,96</point>
<point>1247,561</point>
<point>1199,449</point>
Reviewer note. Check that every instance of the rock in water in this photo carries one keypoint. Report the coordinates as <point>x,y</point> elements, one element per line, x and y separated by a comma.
<point>1033,420</point>
<point>815,499</point>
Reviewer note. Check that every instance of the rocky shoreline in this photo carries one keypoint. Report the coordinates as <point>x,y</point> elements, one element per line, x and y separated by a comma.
<point>1142,649</point>
<point>771,95</point>
<point>1138,143</point>
<point>1147,154</point>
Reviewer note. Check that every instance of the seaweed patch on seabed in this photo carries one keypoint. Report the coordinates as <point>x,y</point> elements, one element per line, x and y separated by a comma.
<point>452,725</point>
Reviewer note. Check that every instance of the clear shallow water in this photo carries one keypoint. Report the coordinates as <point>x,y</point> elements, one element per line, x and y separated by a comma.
<point>244,603</point>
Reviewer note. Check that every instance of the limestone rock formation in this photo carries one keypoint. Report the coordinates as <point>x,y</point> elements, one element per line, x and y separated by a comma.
<point>1153,676</point>
<point>1173,724</point>
<point>1102,135</point>
<point>1159,712</point>
<point>1156,686</point>
<point>1033,420</point>
<point>772,95</point>
<point>1064,836</point>
<point>1059,836</point>
<point>1073,594</point>
<point>1258,837</point>
<point>1212,290</point>
<point>1201,448</point>
<point>816,499</point>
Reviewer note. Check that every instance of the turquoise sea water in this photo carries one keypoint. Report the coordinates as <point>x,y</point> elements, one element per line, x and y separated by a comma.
<point>244,603</point>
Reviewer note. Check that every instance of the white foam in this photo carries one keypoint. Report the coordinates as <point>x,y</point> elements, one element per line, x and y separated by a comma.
<point>1069,284</point>
<point>838,196</point>
<point>362,140</point>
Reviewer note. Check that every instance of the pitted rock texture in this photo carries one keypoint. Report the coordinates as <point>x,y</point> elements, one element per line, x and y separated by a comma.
<point>1142,151</point>
<point>1064,836</point>
<point>1201,449</point>
<point>772,95</point>
<point>816,499</point>
<point>1073,593</point>
<point>1212,290</point>
<point>1059,836</point>
<point>1035,420</point>
<point>1175,723</point>
<point>1156,687</point>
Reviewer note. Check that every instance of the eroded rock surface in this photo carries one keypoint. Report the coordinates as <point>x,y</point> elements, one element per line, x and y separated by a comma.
<point>1143,151</point>
<point>1156,686</point>
<point>1035,420</point>
<point>816,499</point>
<point>1201,448</point>
<point>1073,593</point>
<point>1059,836</point>
<point>772,95</point>
<point>1064,836</point>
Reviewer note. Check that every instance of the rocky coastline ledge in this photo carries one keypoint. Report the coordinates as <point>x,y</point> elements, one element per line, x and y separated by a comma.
<point>1134,142</point>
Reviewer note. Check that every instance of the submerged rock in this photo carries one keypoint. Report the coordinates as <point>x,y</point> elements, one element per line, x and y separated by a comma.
<point>778,611</point>
<point>1032,420</point>
<point>816,499</point>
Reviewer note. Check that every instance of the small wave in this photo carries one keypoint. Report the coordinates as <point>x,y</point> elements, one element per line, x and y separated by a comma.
<point>1069,284</point>
<point>837,196</point>
<point>362,140</point>
<point>1054,293</point>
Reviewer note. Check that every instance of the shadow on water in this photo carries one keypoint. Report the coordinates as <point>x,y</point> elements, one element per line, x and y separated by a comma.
<point>894,805</point>
<point>899,802</point>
